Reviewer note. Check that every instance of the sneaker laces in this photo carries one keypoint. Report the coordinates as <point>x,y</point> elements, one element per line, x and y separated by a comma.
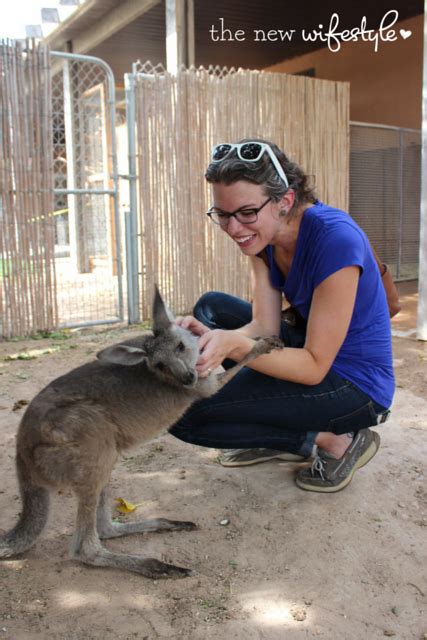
<point>318,467</point>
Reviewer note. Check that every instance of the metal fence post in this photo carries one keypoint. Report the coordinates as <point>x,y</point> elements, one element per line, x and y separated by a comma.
<point>71,165</point>
<point>401,187</point>
<point>115,177</point>
<point>422,274</point>
<point>131,219</point>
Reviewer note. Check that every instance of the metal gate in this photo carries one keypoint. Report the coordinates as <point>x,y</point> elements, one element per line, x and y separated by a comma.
<point>385,192</point>
<point>86,199</point>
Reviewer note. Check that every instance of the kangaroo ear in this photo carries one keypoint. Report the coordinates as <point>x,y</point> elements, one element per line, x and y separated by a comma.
<point>162,316</point>
<point>122,354</point>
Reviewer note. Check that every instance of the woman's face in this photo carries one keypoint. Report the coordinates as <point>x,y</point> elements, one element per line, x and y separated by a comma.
<point>251,238</point>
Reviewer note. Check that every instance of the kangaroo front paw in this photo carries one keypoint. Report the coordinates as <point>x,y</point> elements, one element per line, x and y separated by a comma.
<point>265,345</point>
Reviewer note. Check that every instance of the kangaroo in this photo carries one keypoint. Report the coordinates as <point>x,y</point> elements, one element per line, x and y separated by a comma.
<point>74,430</point>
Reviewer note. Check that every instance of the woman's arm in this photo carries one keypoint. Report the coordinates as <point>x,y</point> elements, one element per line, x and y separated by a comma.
<point>330,316</point>
<point>266,307</point>
<point>266,303</point>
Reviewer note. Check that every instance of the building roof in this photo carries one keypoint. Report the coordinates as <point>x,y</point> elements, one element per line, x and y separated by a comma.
<point>135,29</point>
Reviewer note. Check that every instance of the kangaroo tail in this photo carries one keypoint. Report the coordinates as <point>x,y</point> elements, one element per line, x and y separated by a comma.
<point>32,520</point>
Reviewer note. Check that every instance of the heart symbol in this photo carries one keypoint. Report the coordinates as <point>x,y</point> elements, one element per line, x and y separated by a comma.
<point>405,34</point>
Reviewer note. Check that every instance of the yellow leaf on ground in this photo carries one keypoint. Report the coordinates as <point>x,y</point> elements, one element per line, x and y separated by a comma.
<point>124,506</point>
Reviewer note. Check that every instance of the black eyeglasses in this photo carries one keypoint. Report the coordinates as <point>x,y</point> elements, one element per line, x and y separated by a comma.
<point>249,152</point>
<point>244,216</point>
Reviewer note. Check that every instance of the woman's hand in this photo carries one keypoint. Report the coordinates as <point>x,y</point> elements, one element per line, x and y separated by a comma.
<point>216,345</point>
<point>192,324</point>
<point>390,288</point>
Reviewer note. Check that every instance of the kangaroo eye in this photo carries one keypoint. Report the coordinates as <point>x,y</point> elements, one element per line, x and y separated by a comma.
<point>160,366</point>
<point>181,347</point>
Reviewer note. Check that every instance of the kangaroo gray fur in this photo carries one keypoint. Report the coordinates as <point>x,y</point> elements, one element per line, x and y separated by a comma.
<point>74,430</point>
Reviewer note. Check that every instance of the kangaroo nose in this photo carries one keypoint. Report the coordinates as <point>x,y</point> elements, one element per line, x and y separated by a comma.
<point>189,378</point>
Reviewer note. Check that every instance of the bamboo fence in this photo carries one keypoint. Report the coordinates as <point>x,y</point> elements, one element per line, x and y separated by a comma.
<point>27,267</point>
<point>179,118</point>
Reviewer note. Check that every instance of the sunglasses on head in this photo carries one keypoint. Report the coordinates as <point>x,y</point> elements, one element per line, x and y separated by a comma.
<point>249,152</point>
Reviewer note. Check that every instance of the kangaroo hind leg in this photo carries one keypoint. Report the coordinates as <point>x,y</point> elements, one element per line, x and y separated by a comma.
<point>109,529</point>
<point>87,546</point>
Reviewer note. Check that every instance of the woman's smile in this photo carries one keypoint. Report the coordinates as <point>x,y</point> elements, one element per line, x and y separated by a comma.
<point>245,241</point>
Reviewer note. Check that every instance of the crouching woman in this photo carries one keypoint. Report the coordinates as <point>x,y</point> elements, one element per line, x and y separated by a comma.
<point>334,378</point>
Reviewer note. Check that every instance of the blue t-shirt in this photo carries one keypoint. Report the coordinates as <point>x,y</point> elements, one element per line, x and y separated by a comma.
<point>329,240</point>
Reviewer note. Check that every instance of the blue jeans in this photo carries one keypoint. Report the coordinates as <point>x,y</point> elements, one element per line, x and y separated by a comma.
<point>255,410</point>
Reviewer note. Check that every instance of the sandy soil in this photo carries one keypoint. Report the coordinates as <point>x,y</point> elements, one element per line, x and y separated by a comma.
<point>289,564</point>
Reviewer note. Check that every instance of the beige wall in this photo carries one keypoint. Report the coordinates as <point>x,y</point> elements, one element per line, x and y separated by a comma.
<point>385,87</point>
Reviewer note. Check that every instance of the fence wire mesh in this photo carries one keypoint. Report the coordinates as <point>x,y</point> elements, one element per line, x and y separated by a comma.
<point>385,191</point>
<point>85,224</point>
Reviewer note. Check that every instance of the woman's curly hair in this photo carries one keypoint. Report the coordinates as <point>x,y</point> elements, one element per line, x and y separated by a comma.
<point>263,172</point>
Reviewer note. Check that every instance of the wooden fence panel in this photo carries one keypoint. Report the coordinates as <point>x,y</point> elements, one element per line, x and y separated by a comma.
<point>179,118</point>
<point>27,236</point>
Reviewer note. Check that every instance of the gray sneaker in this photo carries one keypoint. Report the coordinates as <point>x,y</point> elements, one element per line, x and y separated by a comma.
<point>244,457</point>
<point>328,474</point>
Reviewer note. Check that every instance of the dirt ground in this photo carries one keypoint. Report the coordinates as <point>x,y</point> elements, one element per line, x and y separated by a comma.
<point>289,564</point>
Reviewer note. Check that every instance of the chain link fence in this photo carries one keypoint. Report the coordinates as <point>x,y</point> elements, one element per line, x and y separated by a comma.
<point>87,230</point>
<point>385,191</point>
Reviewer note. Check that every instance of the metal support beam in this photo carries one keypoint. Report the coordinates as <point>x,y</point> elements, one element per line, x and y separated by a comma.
<point>131,219</point>
<point>56,39</point>
<point>71,164</point>
<point>113,21</point>
<point>422,274</point>
<point>180,48</point>
<point>191,40</point>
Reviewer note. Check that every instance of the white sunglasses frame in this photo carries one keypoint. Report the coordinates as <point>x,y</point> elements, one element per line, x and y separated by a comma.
<point>264,148</point>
